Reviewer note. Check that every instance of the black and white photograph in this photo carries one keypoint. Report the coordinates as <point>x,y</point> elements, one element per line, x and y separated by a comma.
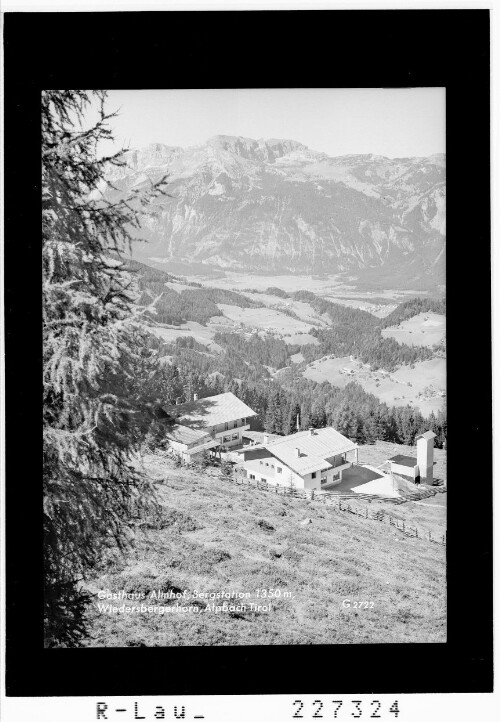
<point>244,367</point>
<point>247,345</point>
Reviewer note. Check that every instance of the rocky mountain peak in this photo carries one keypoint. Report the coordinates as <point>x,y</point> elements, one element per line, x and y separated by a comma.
<point>275,205</point>
<point>257,150</point>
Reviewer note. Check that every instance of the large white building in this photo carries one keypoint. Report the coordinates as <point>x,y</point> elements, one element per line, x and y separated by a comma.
<point>209,424</point>
<point>313,459</point>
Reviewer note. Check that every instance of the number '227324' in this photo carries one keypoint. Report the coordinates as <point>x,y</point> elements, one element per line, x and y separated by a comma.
<point>337,709</point>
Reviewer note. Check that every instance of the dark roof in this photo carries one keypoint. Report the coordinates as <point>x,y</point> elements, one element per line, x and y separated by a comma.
<point>404,460</point>
<point>210,411</point>
<point>185,435</point>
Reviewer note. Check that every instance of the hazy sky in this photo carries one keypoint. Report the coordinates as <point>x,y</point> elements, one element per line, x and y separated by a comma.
<point>390,122</point>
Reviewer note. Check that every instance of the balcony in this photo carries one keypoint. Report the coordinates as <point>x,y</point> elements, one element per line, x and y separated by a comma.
<point>338,463</point>
<point>223,431</point>
<point>208,442</point>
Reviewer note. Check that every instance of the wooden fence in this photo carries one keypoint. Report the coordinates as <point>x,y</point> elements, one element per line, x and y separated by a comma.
<point>340,504</point>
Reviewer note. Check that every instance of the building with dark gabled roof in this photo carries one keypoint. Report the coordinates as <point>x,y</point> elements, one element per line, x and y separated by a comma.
<point>404,466</point>
<point>419,467</point>
<point>208,424</point>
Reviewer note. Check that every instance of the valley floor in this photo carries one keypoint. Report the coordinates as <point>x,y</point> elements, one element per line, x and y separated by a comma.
<point>214,535</point>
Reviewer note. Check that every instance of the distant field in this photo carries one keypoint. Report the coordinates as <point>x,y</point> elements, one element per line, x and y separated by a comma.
<point>260,321</point>
<point>364,303</point>
<point>425,329</point>
<point>289,283</point>
<point>215,536</point>
<point>324,286</point>
<point>266,319</point>
<point>302,309</point>
<point>301,339</point>
<point>178,286</point>
<point>202,334</point>
<point>392,389</point>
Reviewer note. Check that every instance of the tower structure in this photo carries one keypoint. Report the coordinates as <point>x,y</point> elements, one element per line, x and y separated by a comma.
<point>425,456</point>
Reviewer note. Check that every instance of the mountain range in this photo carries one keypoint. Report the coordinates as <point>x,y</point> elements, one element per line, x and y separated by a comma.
<point>276,206</point>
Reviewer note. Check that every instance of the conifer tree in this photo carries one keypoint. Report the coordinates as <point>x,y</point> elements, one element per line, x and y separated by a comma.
<point>292,412</point>
<point>305,414</point>
<point>95,359</point>
<point>370,428</point>
<point>345,421</point>
<point>273,422</point>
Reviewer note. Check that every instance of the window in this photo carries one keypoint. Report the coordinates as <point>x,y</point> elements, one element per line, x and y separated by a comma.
<point>243,421</point>
<point>227,438</point>
<point>267,463</point>
<point>262,478</point>
<point>261,462</point>
<point>235,436</point>
<point>272,466</point>
<point>252,476</point>
<point>313,475</point>
<point>279,469</point>
<point>226,426</point>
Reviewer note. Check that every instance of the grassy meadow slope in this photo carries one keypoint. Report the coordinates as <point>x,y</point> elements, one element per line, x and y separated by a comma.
<point>215,535</point>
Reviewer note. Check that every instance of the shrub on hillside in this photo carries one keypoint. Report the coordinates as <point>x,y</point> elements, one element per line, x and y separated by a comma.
<point>201,560</point>
<point>166,518</point>
<point>265,525</point>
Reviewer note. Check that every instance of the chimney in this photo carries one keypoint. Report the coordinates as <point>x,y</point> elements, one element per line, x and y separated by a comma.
<point>311,431</point>
<point>266,439</point>
<point>195,397</point>
<point>297,452</point>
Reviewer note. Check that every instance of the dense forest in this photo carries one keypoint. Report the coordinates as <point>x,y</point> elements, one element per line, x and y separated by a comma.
<point>244,366</point>
<point>354,412</point>
<point>265,351</point>
<point>413,307</point>
<point>247,362</point>
<point>358,333</point>
<point>351,331</point>
<point>191,304</point>
<point>368,346</point>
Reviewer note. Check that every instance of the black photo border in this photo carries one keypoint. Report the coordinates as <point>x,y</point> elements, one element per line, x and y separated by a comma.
<point>375,48</point>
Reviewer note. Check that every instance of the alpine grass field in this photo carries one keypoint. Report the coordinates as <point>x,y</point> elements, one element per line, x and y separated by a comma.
<point>213,535</point>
